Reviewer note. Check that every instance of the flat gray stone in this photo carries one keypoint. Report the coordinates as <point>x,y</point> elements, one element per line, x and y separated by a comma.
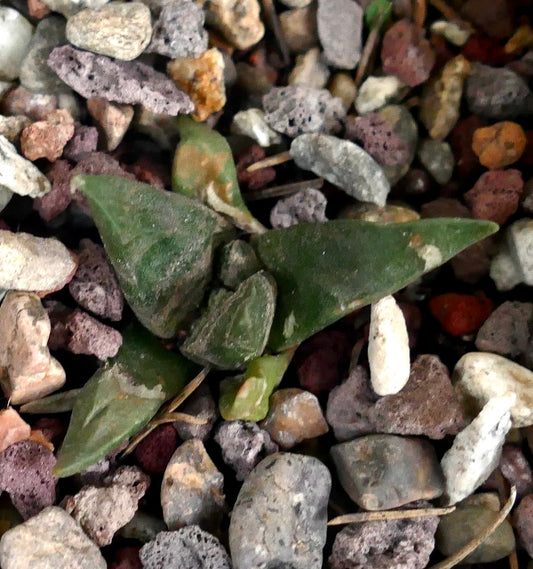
<point>49,540</point>
<point>342,163</point>
<point>280,516</point>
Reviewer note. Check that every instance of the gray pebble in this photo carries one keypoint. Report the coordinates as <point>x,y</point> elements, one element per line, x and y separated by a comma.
<point>340,26</point>
<point>243,446</point>
<point>437,158</point>
<point>34,72</point>
<point>202,406</point>
<point>187,548</point>
<point>49,540</point>
<point>295,110</point>
<point>129,82</point>
<point>179,30</point>
<point>388,544</point>
<point>306,206</point>
<point>192,491</point>
<point>497,93</point>
<point>380,472</point>
<point>342,163</point>
<point>280,516</point>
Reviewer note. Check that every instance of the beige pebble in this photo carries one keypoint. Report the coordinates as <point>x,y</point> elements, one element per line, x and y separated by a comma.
<point>112,120</point>
<point>47,138</point>
<point>13,428</point>
<point>27,370</point>
<point>239,21</point>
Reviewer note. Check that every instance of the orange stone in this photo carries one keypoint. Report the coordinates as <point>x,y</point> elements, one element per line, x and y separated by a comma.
<point>12,428</point>
<point>499,145</point>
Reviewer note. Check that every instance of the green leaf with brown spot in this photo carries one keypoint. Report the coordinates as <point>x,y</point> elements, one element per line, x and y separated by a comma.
<point>120,399</point>
<point>235,327</point>
<point>325,271</point>
<point>204,169</point>
<point>246,398</point>
<point>161,245</point>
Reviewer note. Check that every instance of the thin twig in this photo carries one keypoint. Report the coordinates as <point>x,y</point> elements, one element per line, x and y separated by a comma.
<point>183,417</point>
<point>273,20</point>
<point>370,46</point>
<point>168,409</point>
<point>502,487</point>
<point>273,160</point>
<point>419,15</point>
<point>389,515</point>
<point>284,190</point>
<point>457,557</point>
<point>450,14</point>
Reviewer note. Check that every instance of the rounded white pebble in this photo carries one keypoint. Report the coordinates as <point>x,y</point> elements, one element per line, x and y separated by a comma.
<point>388,347</point>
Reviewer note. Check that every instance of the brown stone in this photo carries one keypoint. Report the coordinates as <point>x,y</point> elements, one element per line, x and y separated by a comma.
<point>112,120</point>
<point>523,523</point>
<point>499,145</point>
<point>58,199</point>
<point>38,9</point>
<point>46,139</point>
<point>294,416</point>
<point>427,405</point>
<point>21,101</point>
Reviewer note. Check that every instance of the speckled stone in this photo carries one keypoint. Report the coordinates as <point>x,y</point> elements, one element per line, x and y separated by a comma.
<point>306,206</point>
<point>280,516</point>
<point>310,70</point>
<point>381,472</point>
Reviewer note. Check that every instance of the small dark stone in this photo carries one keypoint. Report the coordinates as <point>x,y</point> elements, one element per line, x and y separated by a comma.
<point>381,472</point>
<point>201,405</point>
<point>26,475</point>
<point>58,199</point>
<point>350,409</point>
<point>130,82</point>
<point>497,93</point>
<point>507,331</point>
<point>496,18</point>
<point>280,516</point>
<point>243,446</point>
<point>390,544</point>
<point>523,523</point>
<point>295,110</point>
<point>187,548</point>
<point>258,179</point>
<point>84,141</point>
<point>154,452</point>
<point>515,469</point>
<point>95,286</point>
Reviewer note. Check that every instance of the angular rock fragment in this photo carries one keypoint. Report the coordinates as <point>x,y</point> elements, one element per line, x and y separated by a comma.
<point>111,120</point>
<point>295,110</point>
<point>101,511</point>
<point>306,206</point>
<point>58,199</point>
<point>16,33</point>
<point>46,139</point>
<point>26,475</point>
<point>238,21</point>
<point>376,92</point>
<point>129,82</point>
<point>18,174</point>
<point>342,163</point>
<point>381,472</point>
<point>280,516</point>
<point>117,29</point>
<point>340,26</point>
<point>192,488</point>
<point>476,450</point>
<point>84,141</point>
<point>12,428</point>
<point>243,446</point>
<point>49,539</point>
<point>11,127</point>
<point>187,548</point>
<point>251,123</point>
<point>27,370</point>
<point>41,264</point>
<point>179,30</point>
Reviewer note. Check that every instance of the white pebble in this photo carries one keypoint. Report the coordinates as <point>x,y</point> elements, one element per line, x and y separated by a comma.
<point>310,70</point>
<point>503,269</point>
<point>15,36</point>
<point>376,92</point>
<point>252,123</point>
<point>388,347</point>
<point>480,376</point>
<point>476,450</point>
<point>520,239</point>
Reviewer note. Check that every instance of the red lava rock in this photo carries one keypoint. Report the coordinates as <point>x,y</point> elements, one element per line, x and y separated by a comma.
<point>325,357</point>
<point>485,50</point>
<point>407,54</point>
<point>26,475</point>
<point>47,138</point>
<point>154,452</point>
<point>466,161</point>
<point>496,195</point>
<point>427,405</point>
<point>258,179</point>
<point>507,331</point>
<point>58,199</point>
<point>378,138</point>
<point>523,523</point>
<point>95,286</point>
<point>148,171</point>
<point>460,313</point>
<point>515,469</point>
<point>84,141</point>
<point>350,408</point>
<point>495,18</point>
<point>89,336</point>
<point>21,101</point>
<point>126,558</point>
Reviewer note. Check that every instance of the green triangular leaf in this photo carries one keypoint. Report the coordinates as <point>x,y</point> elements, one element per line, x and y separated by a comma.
<point>235,327</point>
<point>161,245</point>
<point>204,169</point>
<point>325,271</point>
<point>120,399</point>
